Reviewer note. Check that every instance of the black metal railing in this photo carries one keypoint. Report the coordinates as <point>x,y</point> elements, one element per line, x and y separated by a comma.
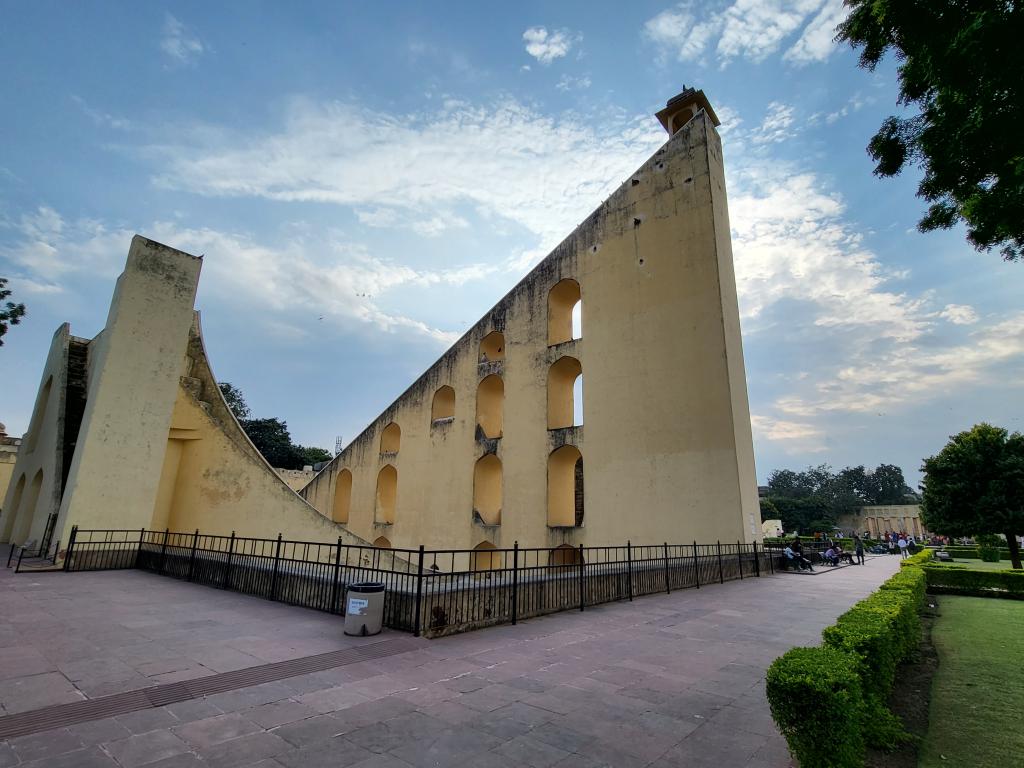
<point>427,591</point>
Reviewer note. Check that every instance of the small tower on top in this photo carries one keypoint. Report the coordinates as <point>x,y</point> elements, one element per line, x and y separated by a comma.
<point>680,109</point>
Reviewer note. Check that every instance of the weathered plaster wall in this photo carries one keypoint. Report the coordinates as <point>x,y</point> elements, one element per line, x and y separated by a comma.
<point>666,437</point>
<point>8,458</point>
<point>27,504</point>
<point>134,370</point>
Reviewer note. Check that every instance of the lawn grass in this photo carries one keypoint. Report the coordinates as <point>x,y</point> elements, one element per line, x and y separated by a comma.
<point>978,689</point>
<point>981,565</point>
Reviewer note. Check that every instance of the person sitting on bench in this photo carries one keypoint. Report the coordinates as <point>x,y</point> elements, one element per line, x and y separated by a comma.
<point>796,559</point>
<point>831,556</point>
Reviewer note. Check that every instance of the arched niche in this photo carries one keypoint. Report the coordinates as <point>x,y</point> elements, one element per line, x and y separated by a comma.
<point>443,407</point>
<point>492,347</point>
<point>10,515</point>
<point>484,557</point>
<point>562,377</point>
<point>490,405</point>
<point>565,487</point>
<point>382,542</point>
<point>562,300</point>
<point>37,425</point>
<point>564,554</point>
<point>27,510</point>
<point>387,494</point>
<point>391,438</point>
<point>487,485</point>
<point>342,496</point>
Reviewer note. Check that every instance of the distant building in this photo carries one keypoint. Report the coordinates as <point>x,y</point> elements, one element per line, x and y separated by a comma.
<point>8,456</point>
<point>901,518</point>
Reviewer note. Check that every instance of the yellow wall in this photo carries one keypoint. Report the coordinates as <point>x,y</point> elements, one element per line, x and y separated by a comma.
<point>665,440</point>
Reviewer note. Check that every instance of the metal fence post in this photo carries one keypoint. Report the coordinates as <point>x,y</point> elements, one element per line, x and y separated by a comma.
<point>757,562</point>
<point>227,567</point>
<point>583,590</point>
<point>192,556</point>
<point>138,552</point>
<point>419,596</point>
<point>629,567</point>
<point>696,563</point>
<point>21,554</point>
<point>721,573</point>
<point>277,565</point>
<point>515,582</point>
<point>668,589</point>
<point>71,548</point>
<point>337,577</point>
<point>163,550</point>
<point>771,559</point>
<point>739,557</point>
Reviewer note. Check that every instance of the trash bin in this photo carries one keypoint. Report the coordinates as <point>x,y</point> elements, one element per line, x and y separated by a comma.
<point>364,608</point>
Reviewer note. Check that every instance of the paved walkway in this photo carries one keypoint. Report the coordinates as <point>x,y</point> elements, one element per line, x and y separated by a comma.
<point>667,680</point>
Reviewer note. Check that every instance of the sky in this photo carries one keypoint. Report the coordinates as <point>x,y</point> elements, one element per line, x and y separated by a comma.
<point>365,180</point>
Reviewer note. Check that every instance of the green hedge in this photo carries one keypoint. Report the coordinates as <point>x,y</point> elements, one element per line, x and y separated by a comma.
<point>817,701</point>
<point>948,579</point>
<point>869,642</point>
<point>974,553</point>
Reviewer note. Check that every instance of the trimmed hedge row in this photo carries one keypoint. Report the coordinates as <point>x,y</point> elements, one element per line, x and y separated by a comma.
<point>974,553</point>
<point>829,702</point>
<point>950,579</point>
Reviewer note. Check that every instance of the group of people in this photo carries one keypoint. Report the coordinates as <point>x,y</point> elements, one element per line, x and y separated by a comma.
<point>794,553</point>
<point>899,541</point>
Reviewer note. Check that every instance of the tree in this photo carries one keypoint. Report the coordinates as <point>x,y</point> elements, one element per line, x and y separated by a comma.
<point>960,65</point>
<point>312,455</point>
<point>233,397</point>
<point>975,485</point>
<point>10,313</point>
<point>271,438</point>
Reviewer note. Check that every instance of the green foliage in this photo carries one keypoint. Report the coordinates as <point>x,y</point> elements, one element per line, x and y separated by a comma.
<point>959,64</point>
<point>869,641</point>
<point>768,510</point>
<point>817,701</point>
<point>975,582</point>
<point>814,499</point>
<point>271,436</point>
<point>973,553</point>
<point>975,485</point>
<point>989,554</point>
<point>924,556</point>
<point>10,313</point>
<point>236,402</point>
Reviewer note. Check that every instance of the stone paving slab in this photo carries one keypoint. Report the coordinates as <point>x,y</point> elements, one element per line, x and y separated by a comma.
<point>666,680</point>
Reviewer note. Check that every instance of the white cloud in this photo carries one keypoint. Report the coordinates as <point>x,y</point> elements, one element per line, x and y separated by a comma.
<point>99,117</point>
<point>568,83</point>
<point>334,278</point>
<point>507,161</point>
<point>959,314</point>
<point>677,30</point>
<point>815,43</point>
<point>795,436</point>
<point>180,45</point>
<point>749,29</point>
<point>776,125</point>
<point>547,46</point>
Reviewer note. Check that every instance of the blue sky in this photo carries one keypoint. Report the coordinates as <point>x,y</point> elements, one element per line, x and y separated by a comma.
<point>366,179</point>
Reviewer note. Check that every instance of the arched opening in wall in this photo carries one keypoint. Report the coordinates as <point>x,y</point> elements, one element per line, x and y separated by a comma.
<point>391,438</point>
<point>484,557</point>
<point>565,487</point>
<point>10,515</point>
<point>577,401</point>
<point>562,378</point>
<point>35,426</point>
<point>490,406</point>
<point>564,301</point>
<point>443,407</point>
<point>564,554</point>
<point>27,511</point>
<point>487,490</point>
<point>342,496</point>
<point>387,493</point>
<point>382,542</point>
<point>492,347</point>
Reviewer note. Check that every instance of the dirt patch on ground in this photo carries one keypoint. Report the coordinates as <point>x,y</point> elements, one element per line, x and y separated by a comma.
<point>911,696</point>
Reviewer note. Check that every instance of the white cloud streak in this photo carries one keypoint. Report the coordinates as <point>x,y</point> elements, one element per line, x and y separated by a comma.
<point>179,44</point>
<point>547,46</point>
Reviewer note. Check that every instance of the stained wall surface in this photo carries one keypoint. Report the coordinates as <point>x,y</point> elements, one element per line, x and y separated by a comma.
<point>665,437</point>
